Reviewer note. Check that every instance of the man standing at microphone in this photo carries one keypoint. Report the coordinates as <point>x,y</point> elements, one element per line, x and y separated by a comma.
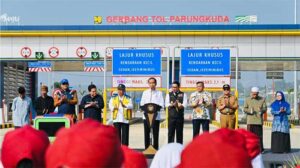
<point>151,102</point>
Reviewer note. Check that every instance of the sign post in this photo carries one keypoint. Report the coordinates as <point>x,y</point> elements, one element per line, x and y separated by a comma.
<point>93,66</point>
<point>40,66</point>
<point>133,67</point>
<point>213,64</point>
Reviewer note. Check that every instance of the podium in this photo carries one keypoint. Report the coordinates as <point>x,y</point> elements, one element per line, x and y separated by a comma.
<point>150,113</point>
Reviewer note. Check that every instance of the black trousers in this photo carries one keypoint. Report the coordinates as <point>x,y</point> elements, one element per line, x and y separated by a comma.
<point>175,125</point>
<point>257,130</point>
<point>280,142</point>
<point>155,130</point>
<point>196,126</point>
<point>93,115</point>
<point>123,131</point>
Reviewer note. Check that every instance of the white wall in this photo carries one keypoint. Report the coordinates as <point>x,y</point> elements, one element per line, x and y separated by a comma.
<point>249,46</point>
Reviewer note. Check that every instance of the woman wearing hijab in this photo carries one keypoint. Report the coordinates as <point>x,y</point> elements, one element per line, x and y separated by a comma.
<point>280,110</point>
<point>168,156</point>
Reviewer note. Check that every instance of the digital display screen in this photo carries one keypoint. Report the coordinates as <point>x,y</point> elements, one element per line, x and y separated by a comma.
<point>51,127</point>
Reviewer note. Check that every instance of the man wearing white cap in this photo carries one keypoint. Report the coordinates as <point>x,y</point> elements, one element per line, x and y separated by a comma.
<point>255,106</point>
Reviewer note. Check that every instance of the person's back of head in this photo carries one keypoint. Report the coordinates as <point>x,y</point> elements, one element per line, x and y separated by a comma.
<point>25,163</point>
<point>133,159</point>
<point>167,156</point>
<point>24,147</point>
<point>222,148</point>
<point>86,144</point>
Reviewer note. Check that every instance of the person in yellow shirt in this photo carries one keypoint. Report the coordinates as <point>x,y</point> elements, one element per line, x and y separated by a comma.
<point>121,107</point>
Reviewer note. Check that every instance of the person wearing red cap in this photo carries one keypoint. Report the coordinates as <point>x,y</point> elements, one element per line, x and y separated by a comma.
<point>86,144</point>
<point>133,159</point>
<point>253,148</point>
<point>222,148</point>
<point>24,147</point>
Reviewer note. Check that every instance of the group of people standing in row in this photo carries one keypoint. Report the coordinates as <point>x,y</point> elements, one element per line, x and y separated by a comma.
<point>121,106</point>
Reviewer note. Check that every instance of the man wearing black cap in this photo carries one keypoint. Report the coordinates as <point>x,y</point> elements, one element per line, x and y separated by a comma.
<point>227,105</point>
<point>121,107</point>
<point>92,104</point>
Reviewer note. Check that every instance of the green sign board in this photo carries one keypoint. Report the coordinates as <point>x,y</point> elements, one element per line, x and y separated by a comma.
<point>39,55</point>
<point>95,55</point>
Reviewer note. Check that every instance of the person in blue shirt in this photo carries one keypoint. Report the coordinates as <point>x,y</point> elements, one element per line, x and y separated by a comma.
<point>66,99</point>
<point>22,107</point>
<point>92,104</point>
<point>280,109</point>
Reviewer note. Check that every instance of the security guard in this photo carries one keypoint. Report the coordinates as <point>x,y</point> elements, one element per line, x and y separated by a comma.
<point>121,107</point>
<point>227,105</point>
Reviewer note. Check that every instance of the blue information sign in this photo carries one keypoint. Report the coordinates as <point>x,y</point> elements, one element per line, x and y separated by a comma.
<point>205,62</point>
<point>136,62</point>
<point>93,64</point>
<point>39,64</point>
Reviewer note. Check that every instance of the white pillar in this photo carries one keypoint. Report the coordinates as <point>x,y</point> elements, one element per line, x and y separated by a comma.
<point>295,92</point>
<point>236,68</point>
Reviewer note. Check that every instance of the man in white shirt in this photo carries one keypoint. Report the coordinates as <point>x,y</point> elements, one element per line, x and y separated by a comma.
<point>176,102</point>
<point>152,97</point>
<point>121,107</point>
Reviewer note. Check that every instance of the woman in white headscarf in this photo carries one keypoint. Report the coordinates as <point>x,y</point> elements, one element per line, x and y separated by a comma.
<point>168,156</point>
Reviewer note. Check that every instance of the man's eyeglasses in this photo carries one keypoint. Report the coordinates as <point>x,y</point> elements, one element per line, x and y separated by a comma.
<point>65,83</point>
